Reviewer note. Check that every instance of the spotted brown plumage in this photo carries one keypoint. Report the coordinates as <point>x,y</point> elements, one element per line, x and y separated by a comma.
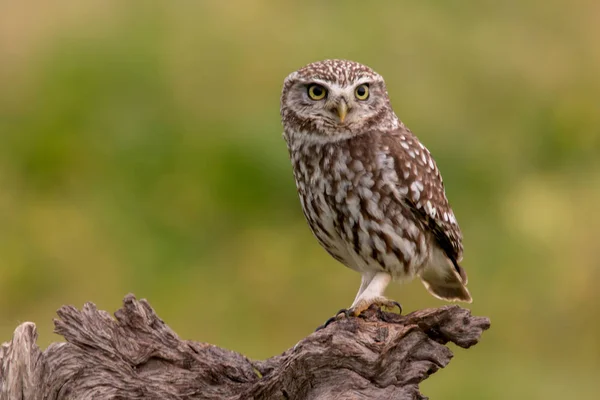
<point>370,191</point>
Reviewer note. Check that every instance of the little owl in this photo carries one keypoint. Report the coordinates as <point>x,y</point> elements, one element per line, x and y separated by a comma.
<point>370,191</point>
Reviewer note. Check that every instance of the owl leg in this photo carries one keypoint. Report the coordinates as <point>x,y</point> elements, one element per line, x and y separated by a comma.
<point>373,295</point>
<point>364,283</point>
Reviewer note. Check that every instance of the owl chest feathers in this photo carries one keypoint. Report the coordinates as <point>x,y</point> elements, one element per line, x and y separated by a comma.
<point>351,197</point>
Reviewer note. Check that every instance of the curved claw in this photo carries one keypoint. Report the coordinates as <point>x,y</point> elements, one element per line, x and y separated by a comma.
<point>397,305</point>
<point>345,311</point>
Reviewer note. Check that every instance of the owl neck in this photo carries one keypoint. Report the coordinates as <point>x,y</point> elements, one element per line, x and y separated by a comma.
<point>297,138</point>
<point>300,138</point>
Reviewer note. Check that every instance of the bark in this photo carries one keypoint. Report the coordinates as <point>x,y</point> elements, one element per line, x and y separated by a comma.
<point>135,355</point>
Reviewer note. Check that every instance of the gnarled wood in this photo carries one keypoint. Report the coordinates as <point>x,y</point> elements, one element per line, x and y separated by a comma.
<point>137,356</point>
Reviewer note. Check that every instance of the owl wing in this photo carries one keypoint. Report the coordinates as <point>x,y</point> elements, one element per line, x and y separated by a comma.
<point>419,177</point>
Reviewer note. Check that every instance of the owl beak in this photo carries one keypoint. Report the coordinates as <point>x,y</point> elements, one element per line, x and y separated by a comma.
<point>342,110</point>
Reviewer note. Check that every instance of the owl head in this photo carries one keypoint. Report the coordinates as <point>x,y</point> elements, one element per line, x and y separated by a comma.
<point>333,97</point>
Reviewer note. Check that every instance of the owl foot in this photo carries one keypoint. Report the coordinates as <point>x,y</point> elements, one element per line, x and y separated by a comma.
<point>357,310</point>
<point>377,302</point>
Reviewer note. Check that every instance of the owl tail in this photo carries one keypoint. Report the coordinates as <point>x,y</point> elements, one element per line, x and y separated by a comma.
<point>447,282</point>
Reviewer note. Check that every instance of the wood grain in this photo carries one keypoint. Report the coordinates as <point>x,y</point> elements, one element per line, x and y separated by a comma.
<point>135,355</point>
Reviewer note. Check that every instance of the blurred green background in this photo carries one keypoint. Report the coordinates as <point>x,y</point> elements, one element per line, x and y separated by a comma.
<point>141,151</point>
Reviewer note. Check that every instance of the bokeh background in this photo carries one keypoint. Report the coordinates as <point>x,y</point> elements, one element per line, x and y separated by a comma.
<point>141,151</point>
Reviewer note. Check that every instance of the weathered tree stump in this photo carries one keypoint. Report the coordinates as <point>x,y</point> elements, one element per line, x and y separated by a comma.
<point>137,356</point>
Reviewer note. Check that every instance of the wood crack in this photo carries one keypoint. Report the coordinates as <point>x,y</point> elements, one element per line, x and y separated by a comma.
<point>137,356</point>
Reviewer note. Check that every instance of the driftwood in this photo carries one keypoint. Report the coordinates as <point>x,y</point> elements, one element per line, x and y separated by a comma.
<point>137,356</point>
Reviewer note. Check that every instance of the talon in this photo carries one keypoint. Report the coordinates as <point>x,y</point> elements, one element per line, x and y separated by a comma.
<point>389,304</point>
<point>330,320</point>
<point>346,312</point>
<point>395,303</point>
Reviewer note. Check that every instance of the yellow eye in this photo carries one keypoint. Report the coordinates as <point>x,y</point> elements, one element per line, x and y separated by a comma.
<point>362,92</point>
<point>317,92</point>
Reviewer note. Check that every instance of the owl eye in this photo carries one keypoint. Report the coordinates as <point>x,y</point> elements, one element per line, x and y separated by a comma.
<point>317,92</point>
<point>362,92</point>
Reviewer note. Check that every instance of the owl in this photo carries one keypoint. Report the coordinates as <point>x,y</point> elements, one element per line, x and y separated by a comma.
<point>369,189</point>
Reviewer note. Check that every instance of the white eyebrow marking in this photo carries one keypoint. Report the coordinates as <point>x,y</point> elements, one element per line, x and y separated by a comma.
<point>334,85</point>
